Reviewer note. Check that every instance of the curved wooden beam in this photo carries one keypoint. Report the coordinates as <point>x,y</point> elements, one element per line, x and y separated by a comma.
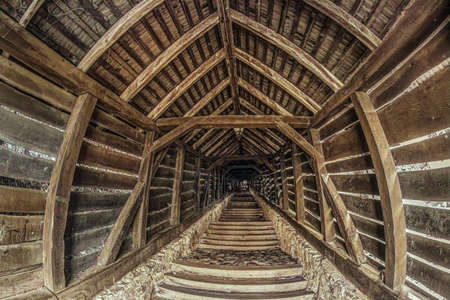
<point>116,31</point>
<point>208,98</point>
<point>347,21</point>
<point>183,86</point>
<point>346,225</point>
<point>277,108</point>
<point>389,188</point>
<point>279,80</point>
<point>289,47</point>
<point>167,56</point>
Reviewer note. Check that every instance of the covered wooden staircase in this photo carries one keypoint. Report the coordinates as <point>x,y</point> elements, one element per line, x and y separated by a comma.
<point>237,258</point>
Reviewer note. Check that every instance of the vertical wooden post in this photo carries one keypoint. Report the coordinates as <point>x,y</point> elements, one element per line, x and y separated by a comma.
<point>145,172</point>
<point>58,196</point>
<point>325,210</point>
<point>284,188</point>
<point>198,162</point>
<point>389,188</point>
<point>298,182</point>
<point>176,203</point>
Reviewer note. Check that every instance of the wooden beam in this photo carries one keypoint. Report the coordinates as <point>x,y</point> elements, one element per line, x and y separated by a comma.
<point>198,162</point>
<point>389,188</point>
<point>345,222</point>
<point>168,55</point>
<point>171,136</point>
<point>284,187</point>
<point>183,86</point>
<point>221,142</point>
<point>347,21</point>
<point>204,137</point>
<point>119,28</point>
<point>208,98</point>
<point>300,55</point>
<point>32,52</point>
<point>227,40</point>
<point>414,24</point>
<point>214,140</point>
<point>298,183</point>
<point>145,176</point>
<point>326,215</point>
<point>32,9</point>
<point>178,178</point>
<point>58,196</point>
<point>233,121</point>
<point>279,80</point>
<point>116,236</point>
<point>218,111</point>
<point>277,108</point>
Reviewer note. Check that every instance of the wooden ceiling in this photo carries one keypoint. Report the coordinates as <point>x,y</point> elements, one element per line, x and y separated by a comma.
<point>184,58</point>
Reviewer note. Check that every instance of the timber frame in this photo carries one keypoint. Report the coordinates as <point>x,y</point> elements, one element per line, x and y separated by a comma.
<point>167,101</point>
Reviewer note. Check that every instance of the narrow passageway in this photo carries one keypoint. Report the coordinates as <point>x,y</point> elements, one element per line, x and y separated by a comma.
<point>237,258</point>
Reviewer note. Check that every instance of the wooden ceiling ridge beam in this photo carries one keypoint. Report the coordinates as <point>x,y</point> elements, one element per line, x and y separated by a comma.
<point>410,32</point>
<point>205,100</point>
<point>114,33</point>
<point>168,55</point>
<point>278,40</point>
<point>236,121</point>
<point>347,21</point>
<point>279,80</point>
<point>33,53</point>
<point>228,43</point>
<point>183,86</point>
<point>276,107</point>
<point>345,223</point>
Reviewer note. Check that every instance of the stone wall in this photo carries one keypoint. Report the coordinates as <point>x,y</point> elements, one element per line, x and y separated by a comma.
<point>141,283</point>
<point>323,278</point>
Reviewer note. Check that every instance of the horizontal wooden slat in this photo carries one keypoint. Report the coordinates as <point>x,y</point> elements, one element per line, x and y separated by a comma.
<point>90,177</point>
<point>428,220</point>
<point>428,185</point>
<point>435,251</point>
<point>113,141</point>
<point>13,285</point>
<point>29,134</point>
<point>364,184</point>
<point>79,222</point>
<point>19,256</point>
<point>353,164</point>
<point>19,229</point>
<point>349,142</point>
<point>364,206</point>
<point>19,200</point>
<point>432,149</point>
<point>90,201</point>
<point>435,279</point>
<point>20,166</point>
<point>87,241</point>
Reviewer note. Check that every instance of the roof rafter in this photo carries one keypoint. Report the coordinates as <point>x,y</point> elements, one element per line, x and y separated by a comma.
<point>167,56</point>
<point>208,98</point>
<point>227,39</point>
<point>279,80</point>
<point>183,86</point>
<point>30,12</point>
<point>347,21</point>
<point>289,47</point>
<point>263,98</point>
<point>119,28</point>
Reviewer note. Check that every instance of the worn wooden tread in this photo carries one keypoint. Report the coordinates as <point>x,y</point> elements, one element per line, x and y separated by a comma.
<point>237,237</point>
<point>236,248</point>
<point>181,293</point>
<point>240,227</point>
<point>256,223</point>
<point>209,241</point>
<point>241,232</point>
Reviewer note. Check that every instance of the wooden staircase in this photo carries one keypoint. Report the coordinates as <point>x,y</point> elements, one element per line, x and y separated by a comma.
<point>242,230</point>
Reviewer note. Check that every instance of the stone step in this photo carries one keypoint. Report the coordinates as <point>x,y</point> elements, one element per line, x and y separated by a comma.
<point>167,291</point>
<point>236,285</point>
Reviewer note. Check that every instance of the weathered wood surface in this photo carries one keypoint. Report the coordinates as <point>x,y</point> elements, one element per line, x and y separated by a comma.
<point>176,189</point>
<point>20,200</point>
<point>183,86</point>
<point>123,222</point>
<point>30,12</point>
<point>298,183</point>
<point>59,192</point>
<point>389,188</point>
<point>208,98</point>
<point>284,187</point>
<point>289,47</point>
<point>167,56</point>
<point>35,54</point>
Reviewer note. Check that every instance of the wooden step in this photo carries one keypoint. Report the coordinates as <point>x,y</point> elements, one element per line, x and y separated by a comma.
<point>239,227</point>
<point>167,291</point>
<point>236,248</point>
<point>256,223</point>
<point>238,237</point>
<point>209,241</point>
<point>241,232</point>
<point>236,285</point>
<point>278,271</point>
